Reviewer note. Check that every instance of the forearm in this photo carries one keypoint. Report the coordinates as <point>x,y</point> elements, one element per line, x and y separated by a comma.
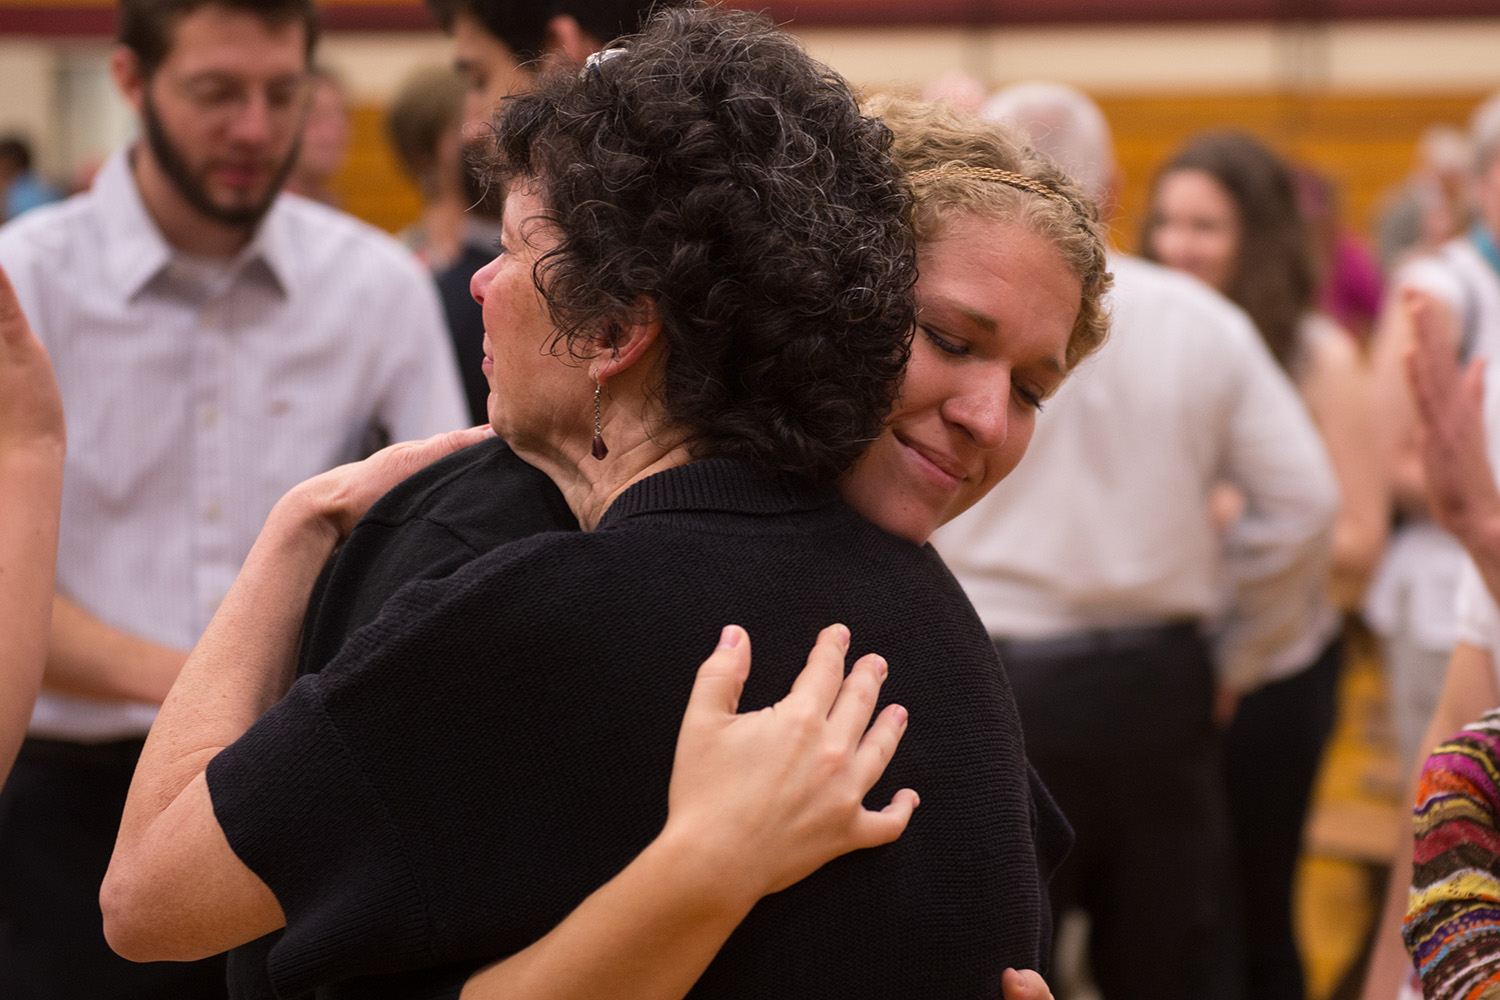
<point>1277,551</point>
<point>1480,537</point>
<point>243,664</point>
<point>89,658</point>
<point>1357,545</point>
<point>174,889</point>
<point>647,934</point>
<point>1276,592</point>
<point>31,490</point>
<point>1390,965</point>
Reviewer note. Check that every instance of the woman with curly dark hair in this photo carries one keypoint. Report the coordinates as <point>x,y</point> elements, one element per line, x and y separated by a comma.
<point>1224,208</point>
<point>697,323</point>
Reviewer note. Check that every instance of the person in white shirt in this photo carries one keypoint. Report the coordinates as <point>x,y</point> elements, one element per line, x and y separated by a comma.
<point>1224,209</point>
<point>1099,570</point>
<point>215,342</point>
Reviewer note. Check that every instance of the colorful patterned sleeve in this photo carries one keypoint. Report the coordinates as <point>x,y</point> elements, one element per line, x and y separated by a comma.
<point>1452,925</point>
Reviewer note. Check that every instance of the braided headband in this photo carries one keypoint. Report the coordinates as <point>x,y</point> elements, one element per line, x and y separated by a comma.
<point>986,174</point>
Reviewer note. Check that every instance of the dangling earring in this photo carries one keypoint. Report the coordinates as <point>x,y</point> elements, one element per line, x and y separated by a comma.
<point>599,448</point>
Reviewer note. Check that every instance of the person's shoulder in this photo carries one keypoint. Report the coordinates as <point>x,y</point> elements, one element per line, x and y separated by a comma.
<point>338,238</point>
<point>485,489</point>
<point>48,234</point>
<point>1151,300</point>
<point>534,577</point>
<point>1150,284</point>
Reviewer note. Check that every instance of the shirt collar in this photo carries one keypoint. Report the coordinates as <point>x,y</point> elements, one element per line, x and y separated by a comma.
<point>137,252</point>
<point>134,248</point>
<point>274,245</point>
<point>717,485</point>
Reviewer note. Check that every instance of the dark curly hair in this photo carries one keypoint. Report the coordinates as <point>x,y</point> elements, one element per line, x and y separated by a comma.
<point>522,24</point>
<point>1274,277</point>
<point>146,26</point>
<point>711,166</point>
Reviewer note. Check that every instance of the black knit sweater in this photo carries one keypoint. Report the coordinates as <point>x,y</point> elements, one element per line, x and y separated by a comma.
<point>498,743</point>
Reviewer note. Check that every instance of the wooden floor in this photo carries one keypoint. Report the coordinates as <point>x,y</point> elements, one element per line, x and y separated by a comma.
<point>1349,836</point>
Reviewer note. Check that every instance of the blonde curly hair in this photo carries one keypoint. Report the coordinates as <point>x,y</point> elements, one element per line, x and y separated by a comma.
<point>959,164</point>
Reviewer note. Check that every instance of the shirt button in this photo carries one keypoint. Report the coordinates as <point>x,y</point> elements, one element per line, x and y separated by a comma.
<point>212,511</point>
<point>210,415</point>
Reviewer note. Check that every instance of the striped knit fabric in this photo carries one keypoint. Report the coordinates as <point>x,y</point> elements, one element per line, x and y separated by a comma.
<point>1452,925</point>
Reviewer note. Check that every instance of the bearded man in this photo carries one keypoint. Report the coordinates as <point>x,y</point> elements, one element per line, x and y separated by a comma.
<point>216,342</point>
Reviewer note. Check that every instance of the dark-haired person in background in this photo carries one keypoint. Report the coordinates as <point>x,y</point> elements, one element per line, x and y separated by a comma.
<point>324,146</point>
<point>20,187</point>
<point>498,48</point>
<point>215,343</point>
<point>1224,208</point>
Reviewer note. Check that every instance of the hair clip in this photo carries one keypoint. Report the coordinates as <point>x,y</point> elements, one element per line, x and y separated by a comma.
<point>592,65</point>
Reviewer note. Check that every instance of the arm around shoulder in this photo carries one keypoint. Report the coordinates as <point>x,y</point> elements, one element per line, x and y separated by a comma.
<point>175,889</point>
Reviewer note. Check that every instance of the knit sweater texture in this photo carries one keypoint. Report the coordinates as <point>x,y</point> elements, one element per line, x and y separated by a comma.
<point>497,743</point>
<point>1452,925</point>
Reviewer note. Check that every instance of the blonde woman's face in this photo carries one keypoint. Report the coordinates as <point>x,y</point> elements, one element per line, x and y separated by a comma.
<point>996,306</point>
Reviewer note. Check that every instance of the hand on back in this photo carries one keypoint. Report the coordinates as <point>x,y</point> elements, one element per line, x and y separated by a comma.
<point>341,496</point>
<point>767,797</point>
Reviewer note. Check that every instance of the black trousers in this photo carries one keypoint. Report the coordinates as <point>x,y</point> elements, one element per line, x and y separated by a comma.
<point>59,813</point>
<point>1118,723</point>
<point>1271,756</point>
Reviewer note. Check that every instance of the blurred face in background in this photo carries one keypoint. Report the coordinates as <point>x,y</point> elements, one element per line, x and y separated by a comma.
<point>325,137</point>
<point>489,68</point>
<point>1195,227</point>
<point>223,113</point>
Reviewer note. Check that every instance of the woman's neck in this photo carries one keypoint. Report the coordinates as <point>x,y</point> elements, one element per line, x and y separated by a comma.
<point>590,485</point>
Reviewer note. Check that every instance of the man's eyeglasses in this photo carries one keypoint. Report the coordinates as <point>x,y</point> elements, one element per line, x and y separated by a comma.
<point>226,97</point>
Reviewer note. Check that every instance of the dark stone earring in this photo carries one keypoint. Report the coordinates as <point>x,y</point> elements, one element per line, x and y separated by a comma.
<point>599,448</point>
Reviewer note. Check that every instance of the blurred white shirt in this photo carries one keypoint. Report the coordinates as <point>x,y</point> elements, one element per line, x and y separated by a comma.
<point>1416,583</point>
<point>198,391</point>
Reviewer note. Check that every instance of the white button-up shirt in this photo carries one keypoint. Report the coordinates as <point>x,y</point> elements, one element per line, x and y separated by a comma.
<point>197,391</point>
